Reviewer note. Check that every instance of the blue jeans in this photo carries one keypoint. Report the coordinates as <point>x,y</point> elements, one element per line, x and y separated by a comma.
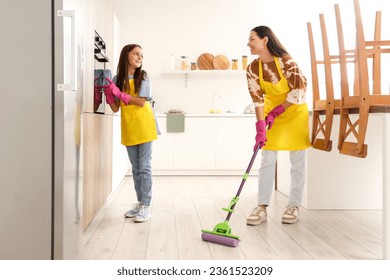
<point>140,157</point>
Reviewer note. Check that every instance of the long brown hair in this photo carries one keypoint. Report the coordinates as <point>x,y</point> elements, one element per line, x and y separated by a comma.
<point>273,44</point>
<point>122,70</point>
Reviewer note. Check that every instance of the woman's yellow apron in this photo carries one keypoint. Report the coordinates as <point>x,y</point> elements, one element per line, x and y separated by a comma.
<point>137,123</point>
<point>290,130</point>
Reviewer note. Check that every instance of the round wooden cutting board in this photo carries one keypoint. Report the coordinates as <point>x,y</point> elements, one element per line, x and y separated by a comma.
<point>221,62</point>
<point>205,61</point>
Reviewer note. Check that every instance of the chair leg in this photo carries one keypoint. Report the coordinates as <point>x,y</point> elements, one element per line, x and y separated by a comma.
<point>344,115</point>
<point>323,127</point>
<point>315,124</point>
<point>358,129</point>
<point>363,124</point>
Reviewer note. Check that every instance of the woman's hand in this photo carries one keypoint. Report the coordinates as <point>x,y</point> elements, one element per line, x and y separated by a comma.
<point>270,118</point>
<point>260,134</point>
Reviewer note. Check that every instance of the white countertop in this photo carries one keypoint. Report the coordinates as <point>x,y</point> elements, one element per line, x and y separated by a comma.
<point>213,115</point>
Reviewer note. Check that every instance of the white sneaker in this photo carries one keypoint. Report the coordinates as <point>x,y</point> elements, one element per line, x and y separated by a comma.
<point>134,211</point>
<point>290,215</point>
<point>143,215</point>
<point>258,215</point>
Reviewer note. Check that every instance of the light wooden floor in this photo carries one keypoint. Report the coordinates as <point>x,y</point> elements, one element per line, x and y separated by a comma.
<point>182,206</point>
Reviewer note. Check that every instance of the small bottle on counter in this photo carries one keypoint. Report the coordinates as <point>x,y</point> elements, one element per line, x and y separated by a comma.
<point>193,66</point>
<point>183,62</point>
<point>244,62</point>
<point>234,64</point>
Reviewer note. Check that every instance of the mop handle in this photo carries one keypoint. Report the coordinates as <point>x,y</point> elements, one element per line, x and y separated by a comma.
<point>244,180</point>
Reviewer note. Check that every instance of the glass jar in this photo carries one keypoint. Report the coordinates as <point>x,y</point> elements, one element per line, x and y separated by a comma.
<point>244,62</point>
<point>234,64</point>
<point>183,62</point>
<point>193,66</point>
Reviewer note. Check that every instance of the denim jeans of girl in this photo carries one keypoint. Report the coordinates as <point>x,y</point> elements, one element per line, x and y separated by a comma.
<point>140,157</point>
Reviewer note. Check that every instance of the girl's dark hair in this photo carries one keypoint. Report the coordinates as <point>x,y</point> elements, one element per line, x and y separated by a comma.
<point>273,44</point>
<point>122,71</point>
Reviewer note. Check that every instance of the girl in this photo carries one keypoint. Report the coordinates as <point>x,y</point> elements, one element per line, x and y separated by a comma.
<point>277,88</point>
<point>130,91</point>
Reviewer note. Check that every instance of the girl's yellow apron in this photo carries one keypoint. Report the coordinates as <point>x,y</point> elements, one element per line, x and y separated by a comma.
<point>138,124</point>
<point>291,129</point>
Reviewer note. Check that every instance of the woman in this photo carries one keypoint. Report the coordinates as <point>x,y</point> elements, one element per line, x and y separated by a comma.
<point>277,88</point>
<point>130,91</point>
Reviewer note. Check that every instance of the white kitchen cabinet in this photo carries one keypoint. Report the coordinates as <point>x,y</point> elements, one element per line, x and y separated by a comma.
<point>163,147</point>
<point>235,141</point>
<point>195,148</point>
<point>210,145</point>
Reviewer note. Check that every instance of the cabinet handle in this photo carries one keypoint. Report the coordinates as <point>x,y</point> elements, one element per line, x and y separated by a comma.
<point>72,86</point>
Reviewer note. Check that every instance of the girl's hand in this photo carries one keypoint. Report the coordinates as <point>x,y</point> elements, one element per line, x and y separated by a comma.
<point>115,91</point>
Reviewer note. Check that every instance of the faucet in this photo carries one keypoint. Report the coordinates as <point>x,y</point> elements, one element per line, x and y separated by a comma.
<point>215,95</point>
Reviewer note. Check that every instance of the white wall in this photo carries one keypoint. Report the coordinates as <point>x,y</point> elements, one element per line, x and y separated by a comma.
<point>187,27</point>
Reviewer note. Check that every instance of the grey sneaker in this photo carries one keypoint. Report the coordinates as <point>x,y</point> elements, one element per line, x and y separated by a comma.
<point>134,211</point>
<point>258,215</point>
<point>290,215</point>
<point>143,215</point>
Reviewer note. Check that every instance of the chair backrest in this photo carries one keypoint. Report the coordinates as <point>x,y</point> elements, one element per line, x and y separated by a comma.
<point>361,55</point>
<point>326,62</point>
<point>376,64</point>
<point>344,55</point>
<point>313,64</point>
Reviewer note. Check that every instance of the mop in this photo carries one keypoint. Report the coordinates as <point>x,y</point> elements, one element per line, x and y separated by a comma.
<point>222,233</point>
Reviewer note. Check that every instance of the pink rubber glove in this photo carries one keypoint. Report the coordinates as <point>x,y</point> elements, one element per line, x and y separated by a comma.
<point>260,134</point>
<point>97,95</point>
<point>270,118</point>
<point>114,90</point>
<point>109,97</point>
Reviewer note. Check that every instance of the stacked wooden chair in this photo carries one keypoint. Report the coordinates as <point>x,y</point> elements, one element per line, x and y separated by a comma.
<point>358,102</point>
<point>323,108</point>
<point>362,100</point>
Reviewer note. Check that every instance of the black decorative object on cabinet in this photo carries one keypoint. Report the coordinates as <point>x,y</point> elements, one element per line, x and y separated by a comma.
<point>100,49</point>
